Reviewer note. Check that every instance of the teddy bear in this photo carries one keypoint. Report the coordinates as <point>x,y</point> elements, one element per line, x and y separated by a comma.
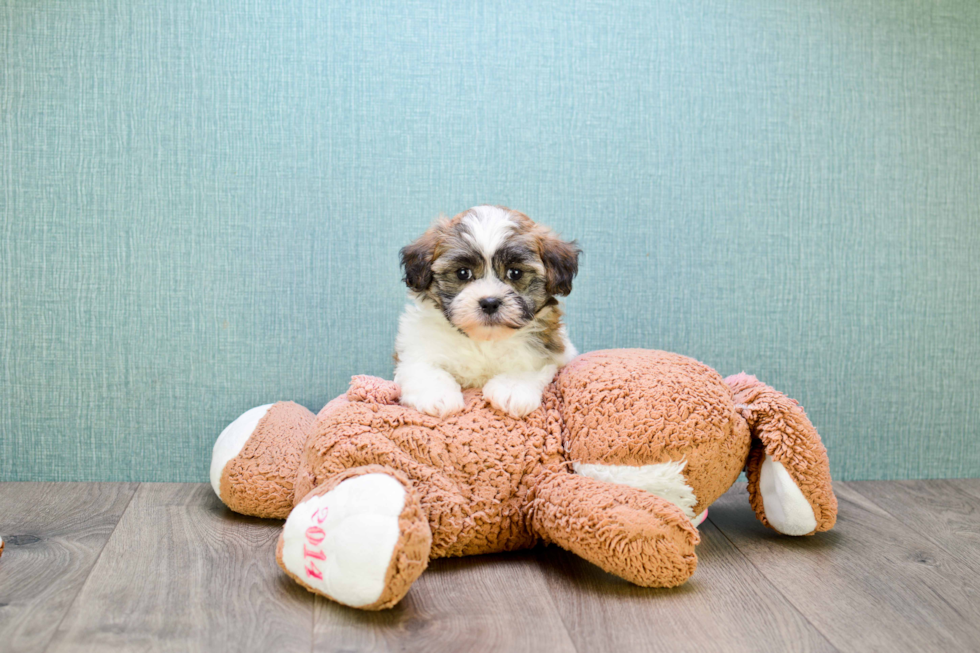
<point>618,465</point>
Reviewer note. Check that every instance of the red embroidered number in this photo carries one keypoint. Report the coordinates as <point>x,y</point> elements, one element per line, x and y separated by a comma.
<point>314,537</point>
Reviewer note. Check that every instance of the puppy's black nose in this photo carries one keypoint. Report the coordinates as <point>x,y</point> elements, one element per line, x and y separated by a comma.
<point>489,305</point>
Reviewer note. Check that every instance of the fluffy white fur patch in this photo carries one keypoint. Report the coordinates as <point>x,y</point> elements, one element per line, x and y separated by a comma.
<point>435,360</point>
<point>341,543</point>
<point>787,510</point>
<point>229,444</point>
<point>425,336</point>
<point>663,480</point>
<point>488,228</point>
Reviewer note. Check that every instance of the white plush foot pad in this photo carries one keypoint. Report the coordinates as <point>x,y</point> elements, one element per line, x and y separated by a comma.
<point>787,510</point>
<point>229,444</point>
<point>341,543</point>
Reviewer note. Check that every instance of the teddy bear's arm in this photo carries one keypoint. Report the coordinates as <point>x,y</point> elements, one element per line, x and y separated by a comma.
<point>626,531</point>
<point>788,470</point>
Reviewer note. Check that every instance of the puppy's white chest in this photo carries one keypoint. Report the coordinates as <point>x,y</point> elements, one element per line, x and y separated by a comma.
<point>474,363</point>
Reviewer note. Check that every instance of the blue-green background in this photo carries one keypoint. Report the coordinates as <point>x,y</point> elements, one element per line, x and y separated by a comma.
<point>202,204</point>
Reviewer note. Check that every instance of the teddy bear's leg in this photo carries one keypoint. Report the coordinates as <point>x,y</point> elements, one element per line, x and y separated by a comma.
<point>255,459</point>
<point>361,538</point>
<point>626,531</point>
<point>787,470</point>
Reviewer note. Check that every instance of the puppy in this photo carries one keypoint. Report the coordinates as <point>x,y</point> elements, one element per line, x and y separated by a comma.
<point>483,312</point>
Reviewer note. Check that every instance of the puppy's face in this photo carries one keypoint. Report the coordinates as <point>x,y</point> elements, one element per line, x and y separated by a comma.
<point>490,270</point>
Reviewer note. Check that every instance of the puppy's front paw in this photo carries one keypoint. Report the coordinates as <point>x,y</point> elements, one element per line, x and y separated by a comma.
<point>437,399</point>
<point>515,397</point>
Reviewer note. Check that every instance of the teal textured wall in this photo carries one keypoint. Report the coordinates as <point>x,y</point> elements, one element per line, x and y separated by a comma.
<point>202,204</point>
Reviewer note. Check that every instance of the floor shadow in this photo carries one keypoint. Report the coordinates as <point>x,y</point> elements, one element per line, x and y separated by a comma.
<point>743,520</point>
<point>560,566</point>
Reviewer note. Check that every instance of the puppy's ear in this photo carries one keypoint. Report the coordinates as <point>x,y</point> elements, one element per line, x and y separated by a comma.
<point>417,260</point>
<point>560,259</point>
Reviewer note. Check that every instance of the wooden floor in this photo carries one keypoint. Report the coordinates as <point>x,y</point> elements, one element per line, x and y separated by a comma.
<point>120,567</point>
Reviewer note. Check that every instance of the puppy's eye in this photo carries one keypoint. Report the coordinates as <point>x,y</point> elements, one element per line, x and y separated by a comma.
<point>513,274</point>
<point>464,274</point>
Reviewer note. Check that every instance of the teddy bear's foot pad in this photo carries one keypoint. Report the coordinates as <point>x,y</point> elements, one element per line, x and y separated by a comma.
<point>787,510</point>
<point>341,543</point>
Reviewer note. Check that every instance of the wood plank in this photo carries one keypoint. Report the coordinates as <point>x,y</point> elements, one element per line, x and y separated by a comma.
<point>725,606</point>
<point>869,584</point>
<point>53,534</point>
<point>969,485</point>
<point>939,510</point>
<point>480,603</point>
<point>183,573</point>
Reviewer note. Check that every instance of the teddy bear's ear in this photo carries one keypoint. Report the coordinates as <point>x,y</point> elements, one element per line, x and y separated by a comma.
<point>788,471</point>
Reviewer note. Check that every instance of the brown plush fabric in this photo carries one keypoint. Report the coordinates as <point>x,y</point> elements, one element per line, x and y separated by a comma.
<point>471,471</point>
<point>371,389</point>
<point>411,555</point>
<point>483,482</point>
<point>259,480</point>
<point>782,430</point>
